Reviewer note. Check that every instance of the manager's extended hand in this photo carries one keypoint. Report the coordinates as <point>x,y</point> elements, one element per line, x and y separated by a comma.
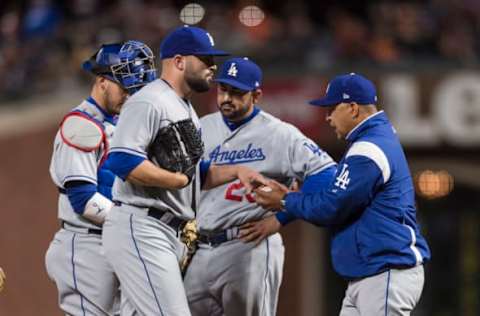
<point>269,196</point>
<point>250,178</point>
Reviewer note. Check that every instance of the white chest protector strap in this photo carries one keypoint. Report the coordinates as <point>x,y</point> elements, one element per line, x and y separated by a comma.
<point>82,132</point>
<point>97,208</point>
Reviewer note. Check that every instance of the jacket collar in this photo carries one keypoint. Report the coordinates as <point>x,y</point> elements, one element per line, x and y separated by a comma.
<point>373,120</point>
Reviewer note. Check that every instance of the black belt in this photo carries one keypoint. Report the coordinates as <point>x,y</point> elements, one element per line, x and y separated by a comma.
<point>164,216</point>
<point>216,238</point>
<point>67,226</point>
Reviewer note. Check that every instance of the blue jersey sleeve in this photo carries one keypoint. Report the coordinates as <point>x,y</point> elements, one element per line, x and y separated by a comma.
<point>313,183</point>
<point>352,189</point>
<point>122,163</point>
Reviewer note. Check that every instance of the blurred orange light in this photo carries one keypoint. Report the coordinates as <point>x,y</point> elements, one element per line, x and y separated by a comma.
<point>433,184</point>
<point>192,13</point>
<point>251,16</point>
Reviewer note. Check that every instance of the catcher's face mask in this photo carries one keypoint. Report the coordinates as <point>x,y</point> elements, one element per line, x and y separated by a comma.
<point>130,64</point>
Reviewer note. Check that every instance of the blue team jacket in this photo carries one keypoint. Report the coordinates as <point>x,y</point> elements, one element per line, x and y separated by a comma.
<point>370,204</point>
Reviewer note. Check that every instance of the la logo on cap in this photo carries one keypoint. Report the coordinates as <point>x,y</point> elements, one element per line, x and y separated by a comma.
<point>232,71</point>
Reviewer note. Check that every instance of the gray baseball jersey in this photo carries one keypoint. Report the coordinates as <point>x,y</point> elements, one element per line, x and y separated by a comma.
<point>144,251</point>
<point>73,164</point>
<point>274,148</point>
<point>142,116</point>
<point>85,281</point>
<point>235,278</point>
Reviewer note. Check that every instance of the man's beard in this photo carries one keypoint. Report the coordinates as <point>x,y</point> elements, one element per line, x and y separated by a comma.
<point>235,114</point>
<point>197,84</point>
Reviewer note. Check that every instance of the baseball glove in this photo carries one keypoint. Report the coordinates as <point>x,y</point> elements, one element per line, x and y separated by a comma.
<point>178,147</point>
<point>189,236</point>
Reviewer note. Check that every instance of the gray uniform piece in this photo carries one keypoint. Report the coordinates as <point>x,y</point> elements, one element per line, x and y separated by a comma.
<point>155,106</point>
<point>85,281</point>
<point>144,251</point>
<point>235,278</point>
<point>391,293</point>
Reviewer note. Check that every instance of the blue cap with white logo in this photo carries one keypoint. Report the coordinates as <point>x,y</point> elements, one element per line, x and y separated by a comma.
<point>189,40</point>
<point>348,88</point>
<point>241,73</point>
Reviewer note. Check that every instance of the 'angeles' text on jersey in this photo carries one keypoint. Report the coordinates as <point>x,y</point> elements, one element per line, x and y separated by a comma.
<point>236,156</point>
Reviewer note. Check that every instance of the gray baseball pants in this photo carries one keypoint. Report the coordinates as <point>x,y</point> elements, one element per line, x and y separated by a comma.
<point>145,254</point>
<point>395,292</point>
<point>86,283</point>
<point>236,278</point>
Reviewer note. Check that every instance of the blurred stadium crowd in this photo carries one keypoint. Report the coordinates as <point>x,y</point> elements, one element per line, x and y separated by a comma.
<point>48,39</point>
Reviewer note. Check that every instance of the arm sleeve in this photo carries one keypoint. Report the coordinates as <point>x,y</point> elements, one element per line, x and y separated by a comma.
<point>319,181</point>
<point>79,193</point>
<point>204,166</point>
<point>122,163</point>
<point>312,184</point>
<point>105,179</point>
<point>352,189</point>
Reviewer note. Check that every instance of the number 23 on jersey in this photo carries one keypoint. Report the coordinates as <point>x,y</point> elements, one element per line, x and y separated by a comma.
<point>236,192</point>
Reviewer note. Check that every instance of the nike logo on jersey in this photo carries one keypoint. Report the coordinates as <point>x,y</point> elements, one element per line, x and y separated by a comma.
<point>219,157</point>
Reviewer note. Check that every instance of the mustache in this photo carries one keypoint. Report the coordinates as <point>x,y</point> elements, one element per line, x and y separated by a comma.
<point>226,103</point>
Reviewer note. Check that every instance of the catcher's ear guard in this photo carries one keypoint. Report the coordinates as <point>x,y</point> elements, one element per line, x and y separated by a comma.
<point>101,61</point>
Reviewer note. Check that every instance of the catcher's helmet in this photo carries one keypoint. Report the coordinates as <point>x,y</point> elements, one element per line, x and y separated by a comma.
<point>130,64</point>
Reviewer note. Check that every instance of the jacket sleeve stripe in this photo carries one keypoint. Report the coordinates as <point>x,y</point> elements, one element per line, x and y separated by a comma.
<point>374,153</point>
<point>416,252</point>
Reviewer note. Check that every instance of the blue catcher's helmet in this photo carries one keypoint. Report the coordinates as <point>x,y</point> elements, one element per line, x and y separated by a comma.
<point>130,64</point>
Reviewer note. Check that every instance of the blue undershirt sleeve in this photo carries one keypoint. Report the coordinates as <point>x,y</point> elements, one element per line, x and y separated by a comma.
<point>105,179</point>
<point>204,166</point>
<point>79,192</point>
<point>121,163</point>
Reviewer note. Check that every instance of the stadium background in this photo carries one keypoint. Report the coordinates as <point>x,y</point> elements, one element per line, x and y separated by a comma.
<point>423,55</point>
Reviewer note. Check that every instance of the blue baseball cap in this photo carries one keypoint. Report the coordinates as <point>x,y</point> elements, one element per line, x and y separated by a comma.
<point>348,88</point>
<point>241,73</point>
<point>189,40</point>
